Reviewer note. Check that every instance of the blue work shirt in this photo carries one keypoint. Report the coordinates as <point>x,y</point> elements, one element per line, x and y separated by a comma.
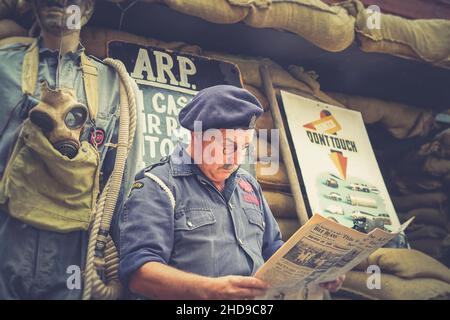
<point>34,262</point>
<point>208,233</point>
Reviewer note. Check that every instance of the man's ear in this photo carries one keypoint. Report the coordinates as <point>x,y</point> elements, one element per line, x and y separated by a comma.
<point>89,6</point>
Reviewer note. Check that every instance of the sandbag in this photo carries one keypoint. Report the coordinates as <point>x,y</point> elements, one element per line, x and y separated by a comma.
<point>328,27</point>
<point>423,39</point>
<point>96,41</point>
<point>424,231</point>
<point>287,227</point>
<point>274,182</point>
<point>281,203</point>
<point>419,200</point>
<point>266,151</point>
<point>396,288</point>
<point>401,120</point>
<point>9,28</point>
<point>217,11</point>
<point>427,216</point>
<point>259,95</point>
<point>439,146</point>
<point>281,78</point>
<point>406,263</point>
<point>413,182</point>
<point>437,167</point>
<point>430,246</point>
<point>265,121</point>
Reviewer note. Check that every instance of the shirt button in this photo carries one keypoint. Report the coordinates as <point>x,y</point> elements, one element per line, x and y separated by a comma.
<point>264,224</point>
<point>241,242</point>
<point>189,224</point>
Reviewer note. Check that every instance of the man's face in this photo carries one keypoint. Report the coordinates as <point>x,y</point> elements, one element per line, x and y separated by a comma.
<point>222,151</point>
<point>56,18</point>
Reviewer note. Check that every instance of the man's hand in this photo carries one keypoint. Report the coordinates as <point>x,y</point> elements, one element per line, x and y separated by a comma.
<point>235,287</point>
<point>333,286</point>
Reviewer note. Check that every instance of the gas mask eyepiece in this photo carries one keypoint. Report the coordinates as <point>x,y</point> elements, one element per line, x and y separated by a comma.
<point>76,117</point>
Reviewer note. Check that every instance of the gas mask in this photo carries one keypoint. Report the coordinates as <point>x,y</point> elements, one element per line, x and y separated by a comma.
<point>61,118</point>
<point>50,167</point>
<point>56,16</point>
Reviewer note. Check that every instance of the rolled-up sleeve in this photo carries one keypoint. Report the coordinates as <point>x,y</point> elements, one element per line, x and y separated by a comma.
<point>145,228</point>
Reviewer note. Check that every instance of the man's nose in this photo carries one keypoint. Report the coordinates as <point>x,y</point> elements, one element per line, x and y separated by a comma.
<point>235,158</point>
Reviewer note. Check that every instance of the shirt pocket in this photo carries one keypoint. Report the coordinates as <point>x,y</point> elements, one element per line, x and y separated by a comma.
<point>255,218</point>
<point>254,230</point>
<point>193,218</point>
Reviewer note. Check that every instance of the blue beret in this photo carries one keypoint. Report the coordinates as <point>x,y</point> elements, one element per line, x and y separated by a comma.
<point>221,107</point>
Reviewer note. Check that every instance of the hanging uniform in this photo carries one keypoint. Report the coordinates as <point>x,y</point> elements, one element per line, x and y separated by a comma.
<point>45,212</point>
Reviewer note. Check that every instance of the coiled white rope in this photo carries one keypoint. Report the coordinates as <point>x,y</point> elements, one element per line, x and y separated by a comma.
<point>102,254</point>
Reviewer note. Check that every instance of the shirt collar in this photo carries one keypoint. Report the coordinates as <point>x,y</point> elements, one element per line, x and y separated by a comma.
<point>43,51</point>
<point>181,162</point>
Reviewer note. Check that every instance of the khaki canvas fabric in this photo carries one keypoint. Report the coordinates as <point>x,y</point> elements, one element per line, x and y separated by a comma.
<point>9,28</point>
<point>329,27</point>
<point>281,203</point>
<point>401,120</point>
<point>278,181</point>
<point>406,263</point>
<point>426,231</point>
<point>218,11</point>
<point>396,288</point>
<point>264,151</point>
<point>259,95</point>
<point>423,39</point>
<point>430,246</point>
<point>287,227</point>
<point>419,200</point>
<point>426,216</point>
<point>265,121</point>
<point>71,185</point>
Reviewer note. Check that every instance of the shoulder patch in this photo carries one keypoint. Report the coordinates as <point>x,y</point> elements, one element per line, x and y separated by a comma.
<point>137,185</point>
<point>246,186</point>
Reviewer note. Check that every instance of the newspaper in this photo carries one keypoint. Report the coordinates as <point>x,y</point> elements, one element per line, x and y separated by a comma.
<point>320,251</point>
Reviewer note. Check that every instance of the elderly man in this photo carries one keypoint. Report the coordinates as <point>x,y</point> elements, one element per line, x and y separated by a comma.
<point>196,225</point>
<point>43,239</point>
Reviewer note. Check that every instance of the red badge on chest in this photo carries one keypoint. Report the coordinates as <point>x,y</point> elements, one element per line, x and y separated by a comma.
<point>251,198</point>
<point>97,137</point>
<point>247,187</point>
<point>249,195</point>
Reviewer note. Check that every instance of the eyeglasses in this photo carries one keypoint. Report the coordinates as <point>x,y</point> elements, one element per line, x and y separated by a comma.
<point>232,148</point>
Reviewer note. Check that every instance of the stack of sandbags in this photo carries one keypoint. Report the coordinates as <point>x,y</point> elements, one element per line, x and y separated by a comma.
<point>96,41</point>
<point>405,275</point>
<point>329,27</point>
<point>431,225</point>
<point>402,121</point>
<point>419,174</point>
<point>423,39</point>
<point>425,168</point>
